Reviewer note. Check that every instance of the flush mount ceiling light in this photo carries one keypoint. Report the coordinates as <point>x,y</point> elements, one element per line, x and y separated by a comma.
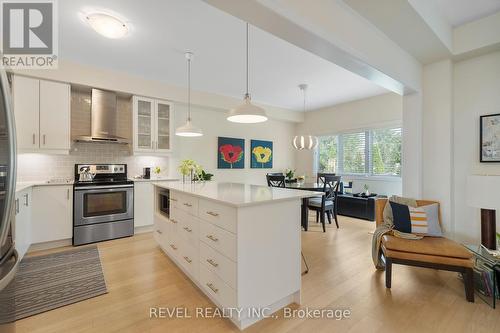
<point>189,129</point>
<point>247,112</point>
<point>107,25</point>
<point>301,142</point>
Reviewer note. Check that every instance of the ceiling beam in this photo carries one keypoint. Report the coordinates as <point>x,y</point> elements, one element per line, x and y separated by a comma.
<point>351,43</point>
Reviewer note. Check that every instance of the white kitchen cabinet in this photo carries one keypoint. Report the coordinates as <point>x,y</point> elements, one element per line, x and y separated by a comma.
<point>42,113</point>
<point>26,98</point>
<point>143,204</point>
<point>22,224</point>
<point>52,213</point>
<point>55,119</point>
<point>214,235</point>
<point>152,126</point>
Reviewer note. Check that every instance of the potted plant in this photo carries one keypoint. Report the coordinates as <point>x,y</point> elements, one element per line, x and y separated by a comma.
<point>157,171</point>
<point>204,176</point>
<point>290,176</point>
<point>367,190</point>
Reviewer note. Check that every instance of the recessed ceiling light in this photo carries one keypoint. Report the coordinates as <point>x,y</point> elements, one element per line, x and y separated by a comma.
<point>107,25</point>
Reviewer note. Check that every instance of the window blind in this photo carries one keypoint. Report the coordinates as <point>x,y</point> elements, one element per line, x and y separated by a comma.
<point>374,152</point>
<point>354,153</point>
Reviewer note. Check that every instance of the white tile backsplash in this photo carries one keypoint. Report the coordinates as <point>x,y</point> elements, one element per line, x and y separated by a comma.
<point>34,167</point>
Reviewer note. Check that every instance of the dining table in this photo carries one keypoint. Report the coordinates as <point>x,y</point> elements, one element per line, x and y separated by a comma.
<point>306,186</point>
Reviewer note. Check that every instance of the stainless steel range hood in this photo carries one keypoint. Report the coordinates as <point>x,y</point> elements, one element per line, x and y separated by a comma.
<point>104,119</point>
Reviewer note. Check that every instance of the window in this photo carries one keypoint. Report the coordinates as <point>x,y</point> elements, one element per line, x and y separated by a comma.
<point>386,152</point>
<point>375,152</point>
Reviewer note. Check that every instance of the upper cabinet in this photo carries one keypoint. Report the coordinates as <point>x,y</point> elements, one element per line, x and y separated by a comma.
<point>152,126</point>
<point>42,114</point>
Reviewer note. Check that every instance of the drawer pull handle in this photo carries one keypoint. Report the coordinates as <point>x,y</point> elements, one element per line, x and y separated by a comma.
<point>173,246</point>
<point>212,238</point>
<point>159,231</point>
<point>173,221</point>
<point>187,229</point>
<point>187,204</point>
<point>213,263</point>
<point>188,260</point>
<point>211,286</point>
<point>213,214</point>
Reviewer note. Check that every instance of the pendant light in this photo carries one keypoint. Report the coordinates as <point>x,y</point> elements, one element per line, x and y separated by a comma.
<point>189,129</point>
<point>301,142</point>
<point>247,112</point>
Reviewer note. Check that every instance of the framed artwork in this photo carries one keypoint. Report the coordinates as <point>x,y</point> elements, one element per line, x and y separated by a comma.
<point>230,153</point>
<point>489,147</point>
<point>262,154</point>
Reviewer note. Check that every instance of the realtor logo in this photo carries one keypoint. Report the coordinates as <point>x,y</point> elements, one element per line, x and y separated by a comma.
<point>29,34</point>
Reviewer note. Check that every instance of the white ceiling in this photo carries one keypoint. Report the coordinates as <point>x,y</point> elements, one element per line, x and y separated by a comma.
<point>458,12</point>
<point>162,30</point>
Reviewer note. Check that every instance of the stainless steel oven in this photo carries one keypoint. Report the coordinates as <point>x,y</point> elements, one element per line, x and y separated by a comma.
<point>103,204</point>
<point>98,204</point>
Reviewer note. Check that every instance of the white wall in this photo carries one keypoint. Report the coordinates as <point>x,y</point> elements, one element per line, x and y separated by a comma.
<point>204,149</point>
<point>476,92</point>
<point>377,111</point>
<point>437,135</point>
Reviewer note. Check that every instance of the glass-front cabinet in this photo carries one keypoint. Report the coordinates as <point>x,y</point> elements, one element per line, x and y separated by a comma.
<point>152,125</point>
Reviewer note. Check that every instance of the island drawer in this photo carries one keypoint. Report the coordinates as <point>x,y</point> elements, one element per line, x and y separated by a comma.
<point>219,264</point>
<point>219,239</point>
<point>218,289</point>
<point>220,215</point>
<point>160,232</point>
<point>187,203</point>
<point>188,229</point>
<point>173,244</point>
<point>188,257</point>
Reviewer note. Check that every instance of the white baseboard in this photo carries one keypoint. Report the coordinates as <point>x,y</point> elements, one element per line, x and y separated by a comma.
<point>69,242</point>
<point>144,229</point>
<point>50,245</point>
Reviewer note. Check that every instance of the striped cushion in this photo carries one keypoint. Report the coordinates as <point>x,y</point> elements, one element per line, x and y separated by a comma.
<point>423,220</point>
<point>418,220</point>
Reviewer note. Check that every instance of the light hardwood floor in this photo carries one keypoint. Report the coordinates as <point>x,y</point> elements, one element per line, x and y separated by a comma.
<point>140,276</point>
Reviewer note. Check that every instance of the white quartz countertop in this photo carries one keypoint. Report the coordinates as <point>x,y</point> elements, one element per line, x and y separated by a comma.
<point>237,194</point>
<point>24,185</point>
<point>161,179</point>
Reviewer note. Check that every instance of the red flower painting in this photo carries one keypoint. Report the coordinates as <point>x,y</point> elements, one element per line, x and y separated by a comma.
<point>231,154</point>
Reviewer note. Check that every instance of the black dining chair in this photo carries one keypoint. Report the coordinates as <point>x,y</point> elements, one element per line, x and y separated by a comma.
<point>327,204</point>
<point>275,180</point>
<point>320,177</point>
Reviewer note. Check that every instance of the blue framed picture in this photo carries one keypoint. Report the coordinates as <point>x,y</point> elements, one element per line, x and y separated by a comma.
<point>230,153</point>
<point>262,154</point>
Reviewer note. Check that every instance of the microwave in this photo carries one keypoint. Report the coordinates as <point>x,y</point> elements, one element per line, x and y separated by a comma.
<point>164,202</point>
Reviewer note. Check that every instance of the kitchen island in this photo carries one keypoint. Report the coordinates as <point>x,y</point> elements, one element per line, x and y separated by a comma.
<point>239,243</point>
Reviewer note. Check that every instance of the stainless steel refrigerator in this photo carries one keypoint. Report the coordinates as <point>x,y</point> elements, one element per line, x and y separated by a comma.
<point>9,259</point>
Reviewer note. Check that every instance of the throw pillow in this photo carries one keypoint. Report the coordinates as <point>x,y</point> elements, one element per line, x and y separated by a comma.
<point>387,214</point>
<point>422,220</point>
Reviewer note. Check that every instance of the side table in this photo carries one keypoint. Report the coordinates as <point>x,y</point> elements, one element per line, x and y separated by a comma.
<point>486,274</point>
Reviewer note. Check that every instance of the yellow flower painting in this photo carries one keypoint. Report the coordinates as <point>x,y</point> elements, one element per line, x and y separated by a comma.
<point>262,154</point>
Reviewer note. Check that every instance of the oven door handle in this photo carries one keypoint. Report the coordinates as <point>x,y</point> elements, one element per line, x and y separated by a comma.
<point>102,187</point>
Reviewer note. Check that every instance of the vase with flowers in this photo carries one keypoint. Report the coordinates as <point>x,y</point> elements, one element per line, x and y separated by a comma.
<point>194,171</point>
